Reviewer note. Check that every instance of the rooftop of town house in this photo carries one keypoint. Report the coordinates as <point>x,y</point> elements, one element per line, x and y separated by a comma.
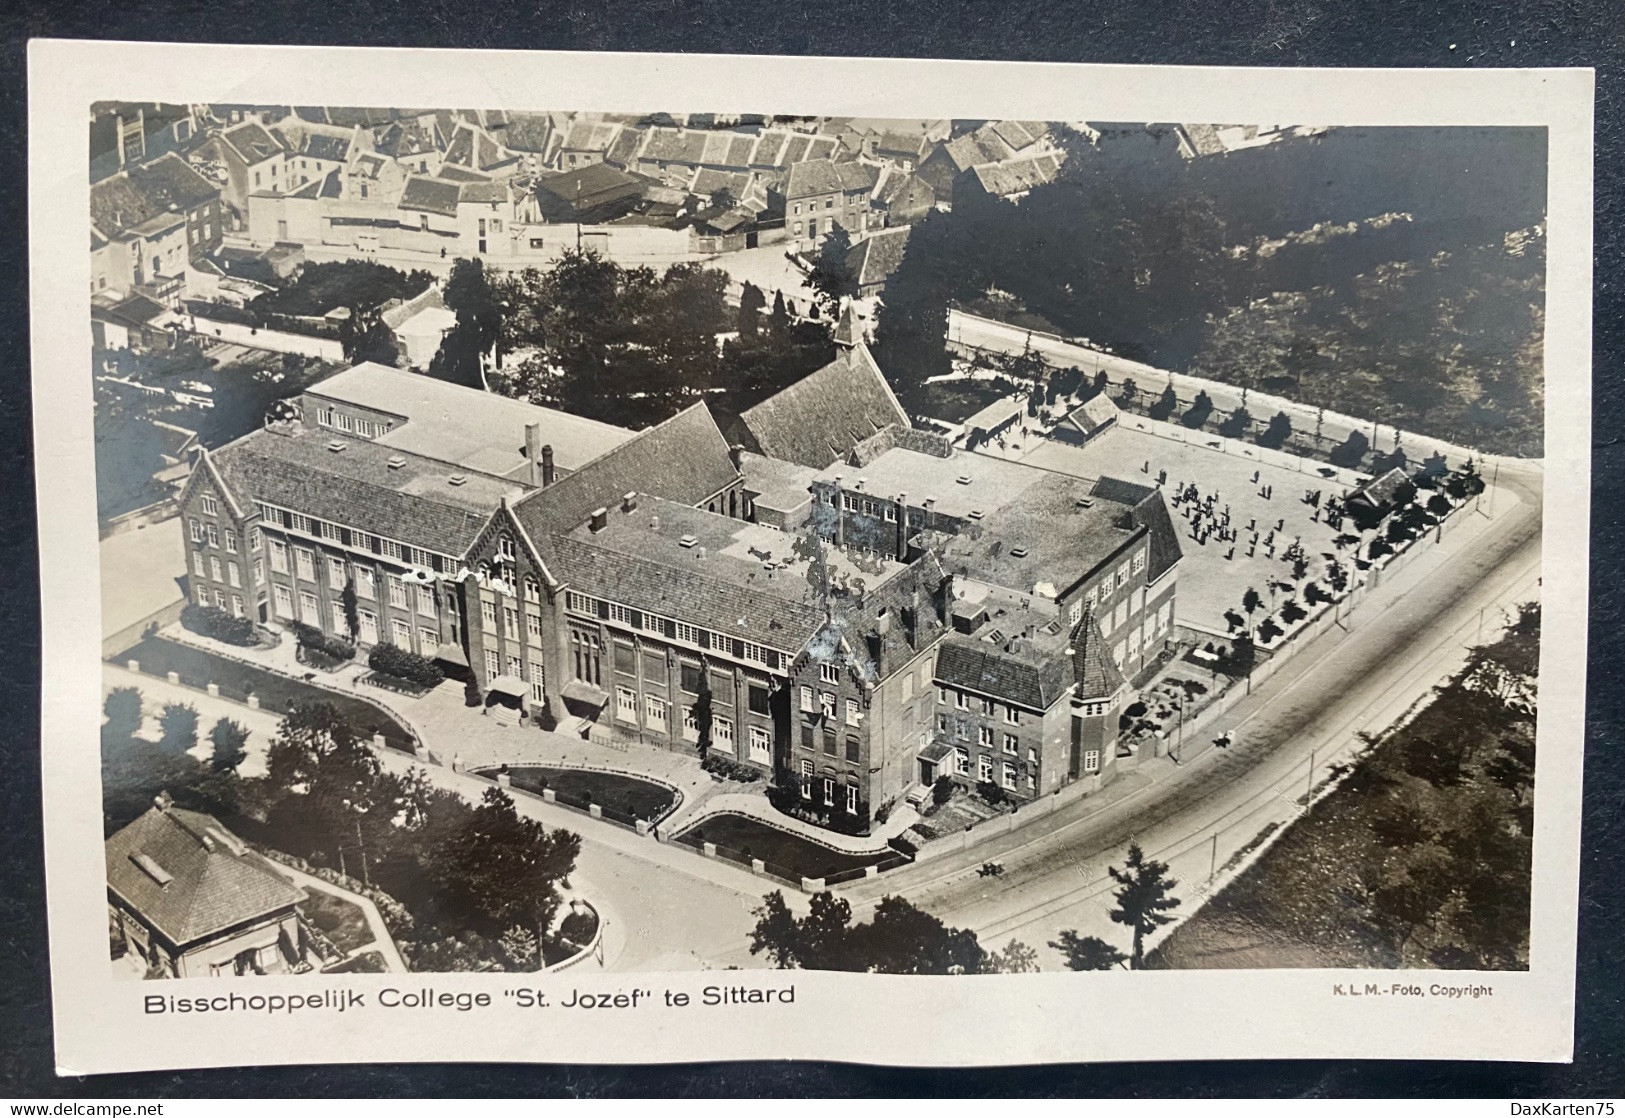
<point>1006,661</point>
<point>957,486</point>
<point>730,576</point>
<point>474,429</point>
<point>877,256</point>
<point>776,483</point>
<point>429,504</point>
<point>1044,538</point>
<point>189,877</point>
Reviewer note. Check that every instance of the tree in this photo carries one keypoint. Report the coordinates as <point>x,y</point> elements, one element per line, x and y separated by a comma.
<point>1197,414</point>
<point>334,794</point>
<point>474,298</point>
<point>1250,601</point>
<point>1237,425</point>
<point>1276,434</point>
<point>751,302</point>
<point>901,939</point>
<point>508,867</point>
<point>1351,453</point>
<point>1016,958</point>
<point>1163,409</point>
<point>122,710</point>
<point>521,947</point>
<point>351,606</point>
<point>230,742</point>
<point>177,724</point>
<point>703,714</point>
<point>1088,952</point>
<point>365,336</point>
<point>830,278</point>
<point>1144,898</point>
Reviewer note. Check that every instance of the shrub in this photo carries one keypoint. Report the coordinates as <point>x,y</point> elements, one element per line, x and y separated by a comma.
<point>943,790</point>
<point>902,846</point>
<point>729,769</point>
<point>210,621</point>
<point>387,659</point>
<point>990,792</point>
<point>310,637</point>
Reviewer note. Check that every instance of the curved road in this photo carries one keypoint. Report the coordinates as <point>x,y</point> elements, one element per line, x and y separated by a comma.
<point>1408,634</point>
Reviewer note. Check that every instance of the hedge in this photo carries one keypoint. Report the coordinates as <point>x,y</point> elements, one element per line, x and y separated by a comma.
<point>730,769</point>
<point>211,621</point>
<point>310,637</point>
<point>387,659</point>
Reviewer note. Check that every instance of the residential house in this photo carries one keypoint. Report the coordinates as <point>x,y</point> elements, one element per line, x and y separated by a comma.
<point>586,141</point>
<point>942,168</point>
<point>148,222</point>
<point>473,149</point>
<point>414,143</point>
<point>818,195</point>
<point>191,900</point>
<point>243,161</point>
<point>1009,181</point>
<point>315,151</point>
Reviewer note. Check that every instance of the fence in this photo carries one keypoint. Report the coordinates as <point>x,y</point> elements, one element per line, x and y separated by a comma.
<point>969,332</point>
<point>784,875</point>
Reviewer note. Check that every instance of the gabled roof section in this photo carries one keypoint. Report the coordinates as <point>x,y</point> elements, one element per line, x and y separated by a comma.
<point>253,142</point>
<point>1017,176</point>
<point>189,877</point>
<point>1148,510</point>
<point>1026,678</point>
<point>824,176</point>
<point>427,194</point>
<point>877,256</point>
<point>821,417</point>
<point>684,460</point>
<point>529,132</point>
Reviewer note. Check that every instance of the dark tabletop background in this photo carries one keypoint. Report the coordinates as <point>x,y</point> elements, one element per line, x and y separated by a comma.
<point>1214,32</point>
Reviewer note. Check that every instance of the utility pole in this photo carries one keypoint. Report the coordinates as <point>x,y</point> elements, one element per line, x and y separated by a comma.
<point>362,845</point>
<point>1309,791</point>
<point>1495,476</point>
<point>1213,859</point>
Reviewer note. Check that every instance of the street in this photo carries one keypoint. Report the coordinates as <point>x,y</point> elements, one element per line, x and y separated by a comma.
<point>1408,636</point>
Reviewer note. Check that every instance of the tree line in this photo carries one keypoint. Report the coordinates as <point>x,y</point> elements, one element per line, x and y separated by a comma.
<point>631,346</point>
<point>901,938</point>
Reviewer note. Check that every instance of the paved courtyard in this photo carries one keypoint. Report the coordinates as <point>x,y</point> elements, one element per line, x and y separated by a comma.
<point>1214,575</point>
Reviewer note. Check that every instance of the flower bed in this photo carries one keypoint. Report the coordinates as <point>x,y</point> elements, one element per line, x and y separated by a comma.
<point>617,794</point>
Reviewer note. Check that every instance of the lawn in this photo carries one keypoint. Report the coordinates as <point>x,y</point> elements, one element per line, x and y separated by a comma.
<point>198,668</point>
<point>955,401</point>
<point>624,795</point>
<point>787,854</point>
<point>339,920</point>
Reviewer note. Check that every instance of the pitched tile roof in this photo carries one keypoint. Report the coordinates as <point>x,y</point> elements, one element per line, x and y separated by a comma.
<point>319,145</point>
<point>253,142</point>
<point>189,877</point>
<point>684,459</point>
<point>471,147</point>
<point>877,256</point>
<point>529,132</point>
<point>1149,511</point>
<point>824,176</point>
<point>430,195</point>
<point>406,138</point>
<point>136,195</point>
<point>1004,671</point>
<point>1019,133</point>
<point>1017,176</point>
<point>818,419</point>
<point>416,502</point>
<point>1094,670</point>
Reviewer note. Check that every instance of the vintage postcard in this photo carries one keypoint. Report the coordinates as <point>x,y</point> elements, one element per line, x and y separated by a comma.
<point>663,558</point>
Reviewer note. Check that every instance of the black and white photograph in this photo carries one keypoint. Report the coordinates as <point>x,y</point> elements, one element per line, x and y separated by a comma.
<point>566,546</point>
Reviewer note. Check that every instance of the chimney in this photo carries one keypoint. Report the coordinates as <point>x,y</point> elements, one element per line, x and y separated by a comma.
<point>629,501</point>
<point>902,527</point>
<point>699,553</point>
<point>599,521</point>
<point>736,455</point>
<point>914,613</point>
<point>883,621</point>
<point>533,435</point>
<point>547,464</point>
<point>163,801</point>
